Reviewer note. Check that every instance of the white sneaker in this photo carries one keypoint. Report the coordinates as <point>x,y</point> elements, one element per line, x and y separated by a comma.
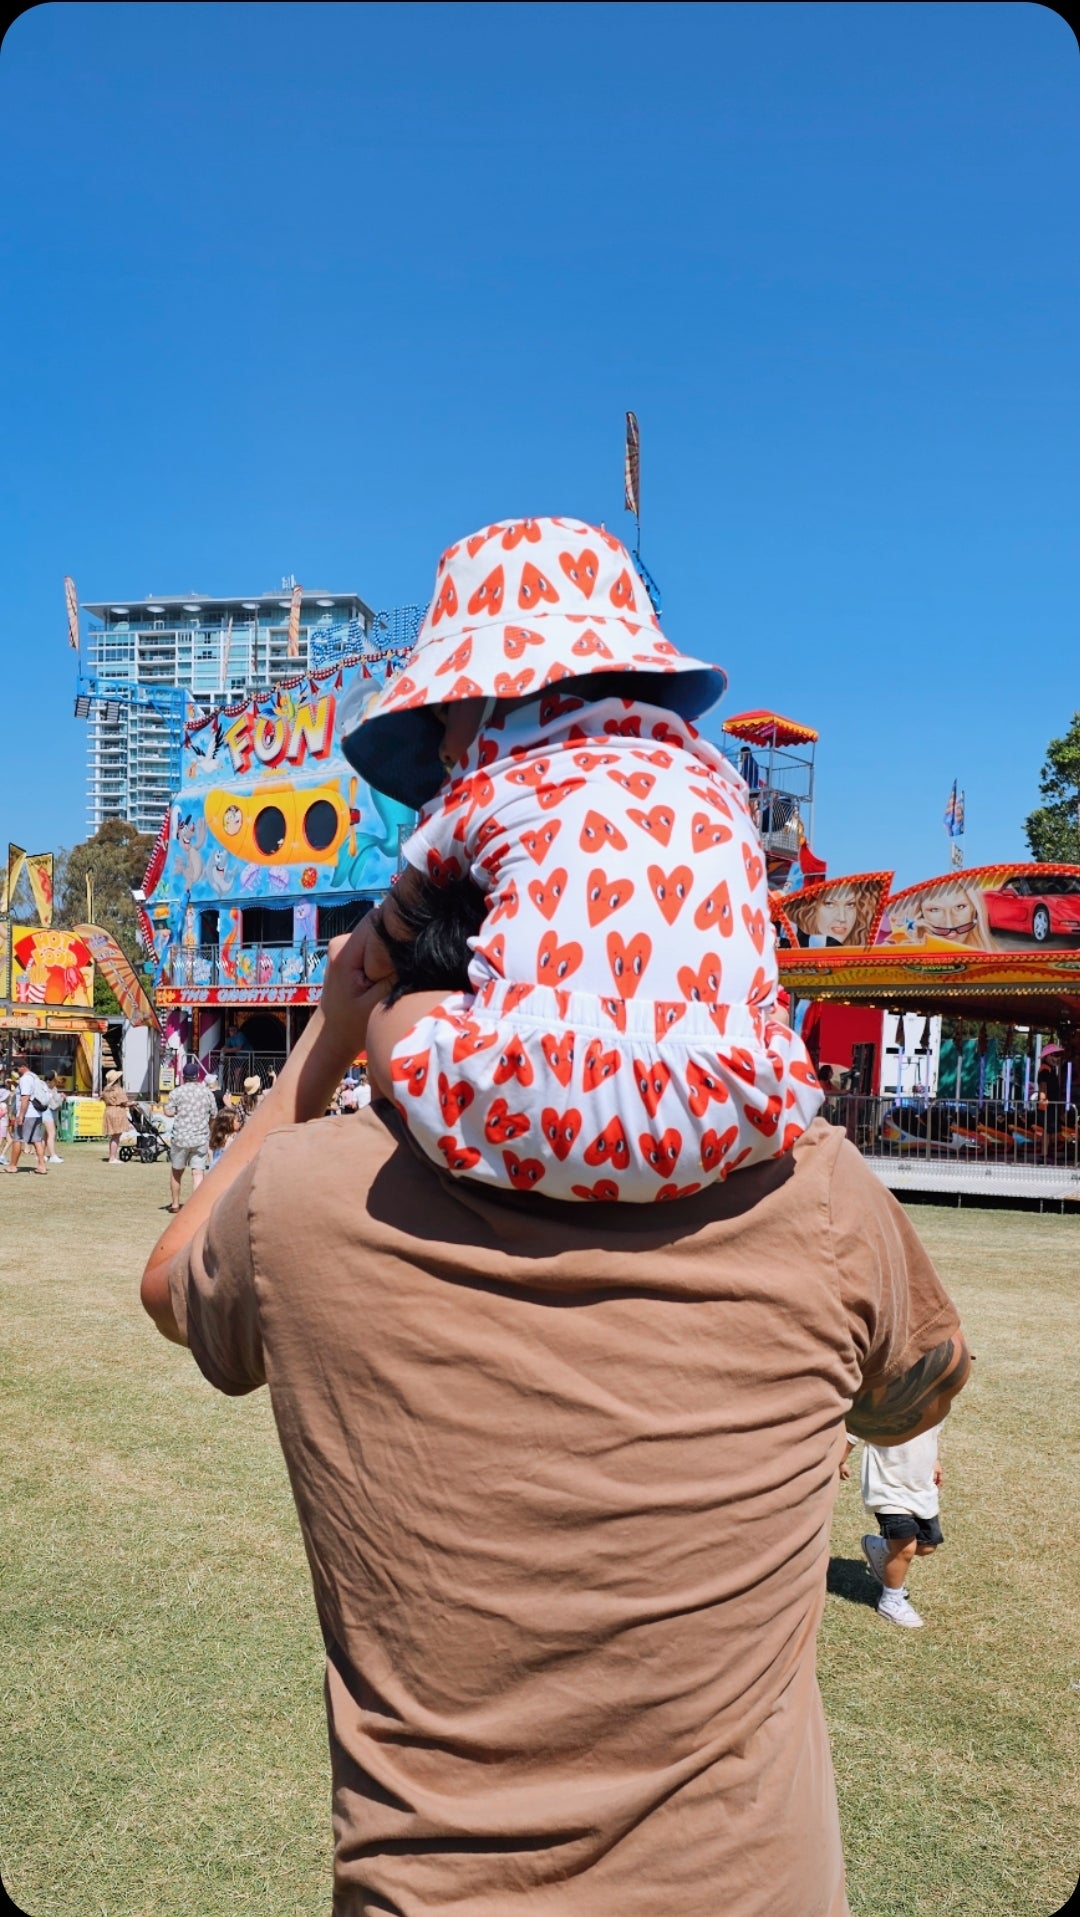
<point>875,1551</point>
<point>54,1160</point>
<point>897,1609</point>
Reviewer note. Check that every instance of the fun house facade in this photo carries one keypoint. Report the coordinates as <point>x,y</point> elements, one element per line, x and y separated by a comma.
<point>271,848</point>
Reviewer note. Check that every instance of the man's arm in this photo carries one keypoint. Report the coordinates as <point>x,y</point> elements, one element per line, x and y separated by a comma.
<point>916,1401</point>
<point>334,1034</point>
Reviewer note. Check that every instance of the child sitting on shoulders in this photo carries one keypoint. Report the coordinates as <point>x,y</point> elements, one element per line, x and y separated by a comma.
<point>617,1037</point>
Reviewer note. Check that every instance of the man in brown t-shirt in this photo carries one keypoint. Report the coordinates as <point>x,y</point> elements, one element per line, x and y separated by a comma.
<point>565,1476</point>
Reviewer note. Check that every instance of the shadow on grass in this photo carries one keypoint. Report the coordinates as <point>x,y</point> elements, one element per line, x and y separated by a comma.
<point>849,1578</point>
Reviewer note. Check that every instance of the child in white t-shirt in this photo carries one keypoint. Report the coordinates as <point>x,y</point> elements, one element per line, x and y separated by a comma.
<point>900,1486</point>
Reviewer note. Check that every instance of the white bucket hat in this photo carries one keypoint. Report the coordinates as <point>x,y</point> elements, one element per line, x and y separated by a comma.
<point>517,607</point>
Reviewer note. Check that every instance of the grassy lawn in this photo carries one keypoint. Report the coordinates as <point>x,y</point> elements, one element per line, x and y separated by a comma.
<point>163,1748</point>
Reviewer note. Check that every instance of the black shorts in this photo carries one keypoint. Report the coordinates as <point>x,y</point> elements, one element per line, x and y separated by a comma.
<point>901,1525</point>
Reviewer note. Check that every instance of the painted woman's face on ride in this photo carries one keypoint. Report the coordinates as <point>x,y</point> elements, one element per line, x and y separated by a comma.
<point>835,919</point>
<point>951,915</point>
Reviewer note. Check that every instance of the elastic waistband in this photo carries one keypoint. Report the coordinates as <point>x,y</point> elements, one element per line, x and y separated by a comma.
<point>683,1021</point>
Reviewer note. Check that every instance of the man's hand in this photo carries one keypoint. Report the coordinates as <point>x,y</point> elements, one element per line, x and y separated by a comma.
<point>938,1474</point>
<point>914,1403</point>
<point>350,992</point>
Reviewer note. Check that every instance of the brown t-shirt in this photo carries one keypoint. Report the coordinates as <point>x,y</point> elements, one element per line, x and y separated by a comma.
<point>565,1475</point>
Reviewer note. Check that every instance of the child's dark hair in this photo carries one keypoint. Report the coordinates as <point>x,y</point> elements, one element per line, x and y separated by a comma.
<point>433,954</point>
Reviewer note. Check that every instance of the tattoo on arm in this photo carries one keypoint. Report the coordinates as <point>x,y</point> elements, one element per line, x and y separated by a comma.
<point>892,1413</point>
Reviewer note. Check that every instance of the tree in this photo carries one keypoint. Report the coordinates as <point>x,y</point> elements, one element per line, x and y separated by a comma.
<point>116,858</point>
<point>1053,829</point>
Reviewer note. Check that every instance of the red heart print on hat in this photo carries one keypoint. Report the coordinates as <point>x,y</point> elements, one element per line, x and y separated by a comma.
<point>473,545</point>
<point>605,1191</point>
<point>657,822</point>
<point>554,962</point>
<point>753,865</point>
<point>652,1081</point>
<point>622,592</point>
<point>704,984</point>
<point>661,1154</point>
<point>516,995</point>
<point>539,844</point>
<point>715,912</point>
<point>548,796</point>
<point>671,889</point>
<point>456,660</point>
<point>560,1130</point>
<point>515,640</point>
<point>603,896</point>
<point>546,896</point>
<point>609,1147</point>
<point>629,960</point>
<point>488,596</point>
<point>560,670</point>
<point>588,761</point>
<point>471,1040</point>
<point>581,569</point>
<point>666,1014</point>
<point>514,1062</point>
<point>459,1158</point>
<point>511,685</point>
<point>675,1191</point>
<point>638,784</point>
<point>590,645</point>
<point>412,1072</point>
<point>464,688</point>
<point>654,758</point>
<point>446,603</point>
<point>705,833</point>
<point>767,1121</point>
<point>556,705</point>
<point>791,1133</point>
<point>401,688</point>
<point>715,1147</point>
<point>599,1065</point>
<point>628,726</point>
<point>502,1126</point>
<point>559,1053</point>
<point>755,923</point>
<point>598,831</point>
<point>521,529</point>
<point>454,1099</point>
<point>523,1173</point>
<point>705,1088</point>
<point>534,587</point>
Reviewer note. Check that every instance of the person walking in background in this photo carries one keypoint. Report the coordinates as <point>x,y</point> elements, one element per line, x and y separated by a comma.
<point>900,1488</point>
<point>251,1096</point>
<point>6,1110</point>
<point>223,1130</point>
<point>31,1103</point>
<point>50,1116</point>
<point>192,1108</point>
<point>116,1102</point>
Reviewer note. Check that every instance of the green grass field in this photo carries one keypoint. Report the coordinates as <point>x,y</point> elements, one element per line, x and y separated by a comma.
<point>163,1749</point>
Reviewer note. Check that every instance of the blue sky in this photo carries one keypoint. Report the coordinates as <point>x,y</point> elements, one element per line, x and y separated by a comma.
<point>317,288</point>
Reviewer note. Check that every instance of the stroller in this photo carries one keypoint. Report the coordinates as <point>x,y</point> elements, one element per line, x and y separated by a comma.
<point>150,1145</point>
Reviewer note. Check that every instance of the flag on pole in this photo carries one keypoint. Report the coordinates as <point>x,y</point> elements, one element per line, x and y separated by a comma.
<point>226,648</point>
<point>292,650</point>
<point>72,613</point>
<point>954,813</point>
<point>90,896</point>
<point>632,467</point>
<point>39,871</point>
<point>10,878</point>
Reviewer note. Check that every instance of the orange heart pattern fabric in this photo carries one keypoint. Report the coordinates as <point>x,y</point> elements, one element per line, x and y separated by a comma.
<point>618,1041</point>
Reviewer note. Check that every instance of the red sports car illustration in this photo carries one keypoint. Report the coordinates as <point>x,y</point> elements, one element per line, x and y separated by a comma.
<point>1037,906</point>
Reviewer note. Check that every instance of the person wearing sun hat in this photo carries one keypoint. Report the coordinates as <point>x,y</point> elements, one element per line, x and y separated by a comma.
<point>619,1037</point>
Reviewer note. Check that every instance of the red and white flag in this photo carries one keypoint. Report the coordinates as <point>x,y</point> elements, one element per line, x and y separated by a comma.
<point>72,598</point>
<point>632,467</point>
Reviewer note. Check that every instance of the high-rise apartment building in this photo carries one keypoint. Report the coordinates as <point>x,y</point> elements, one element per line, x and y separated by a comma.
<point>216,650</point>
